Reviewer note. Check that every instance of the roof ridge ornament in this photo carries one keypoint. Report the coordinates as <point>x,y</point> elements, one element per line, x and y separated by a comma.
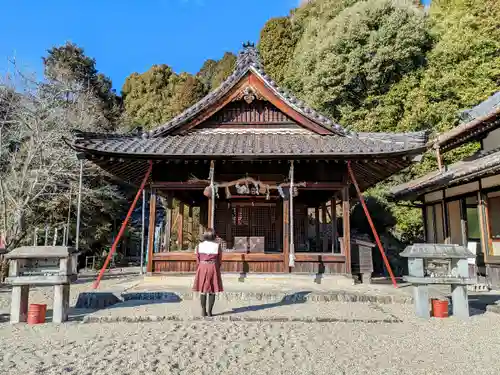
<point>248,44</point>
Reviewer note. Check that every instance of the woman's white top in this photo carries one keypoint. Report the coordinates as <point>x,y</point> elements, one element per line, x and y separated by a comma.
<point>208,247</point>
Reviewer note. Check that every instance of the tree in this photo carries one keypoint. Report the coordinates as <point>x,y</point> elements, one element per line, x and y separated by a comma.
<point>156,96</point>
<point>223,69</point>
<point>189,90</point>
<point>360,52</point>
<point>38,169</point>
<point>214,72</point>
<point>68,65</point>
<point>276,46</point>
<point>206,73</point>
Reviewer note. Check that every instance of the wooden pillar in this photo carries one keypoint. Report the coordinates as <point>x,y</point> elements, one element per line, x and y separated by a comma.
<point>286,236</point>
<point>333,205</point>
<point>347,228</point>
<point>439,158</point>
<point>316,227</point>
<point>482,208</point>
<point>190,227</point>
<point>202,220</point>
<point>323,219</point>
<point>211,202</point>
<point>168,223</point>
<point>180,226</point>
<point>209,213</point>
<point>151,229</point>
<point>279,225</point>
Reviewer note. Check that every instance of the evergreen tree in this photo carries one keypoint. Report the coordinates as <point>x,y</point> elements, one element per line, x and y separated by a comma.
<point>223,69</point>
<point>68,66</point>
<point>156,96</point>
<point>277,44</point>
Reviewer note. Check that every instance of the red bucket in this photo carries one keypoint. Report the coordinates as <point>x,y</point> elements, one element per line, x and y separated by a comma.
<point>36,314</point>
<point>439,308</point>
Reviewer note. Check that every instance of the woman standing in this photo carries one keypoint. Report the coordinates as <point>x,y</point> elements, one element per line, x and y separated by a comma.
<point>208,278</point>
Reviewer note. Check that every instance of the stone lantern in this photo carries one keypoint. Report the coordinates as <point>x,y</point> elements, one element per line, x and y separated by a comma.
<point>434,264</point>
<point>41,266</point>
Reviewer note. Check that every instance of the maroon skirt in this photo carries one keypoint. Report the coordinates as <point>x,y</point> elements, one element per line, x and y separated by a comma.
<point>208,278</point>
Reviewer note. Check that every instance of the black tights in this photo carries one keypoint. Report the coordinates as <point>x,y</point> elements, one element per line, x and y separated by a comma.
<point>211,302</point>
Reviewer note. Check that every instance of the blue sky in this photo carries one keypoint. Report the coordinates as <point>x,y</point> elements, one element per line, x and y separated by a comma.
<point>131,35</point>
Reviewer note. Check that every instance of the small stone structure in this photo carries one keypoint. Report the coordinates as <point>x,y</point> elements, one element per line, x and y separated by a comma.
<point>41,266</point>
<point>431,264</point>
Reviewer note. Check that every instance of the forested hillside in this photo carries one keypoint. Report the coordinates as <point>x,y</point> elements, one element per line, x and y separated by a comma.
<point>382,65</point>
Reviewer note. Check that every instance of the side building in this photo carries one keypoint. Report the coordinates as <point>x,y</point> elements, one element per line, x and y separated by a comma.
<point>461,201</point>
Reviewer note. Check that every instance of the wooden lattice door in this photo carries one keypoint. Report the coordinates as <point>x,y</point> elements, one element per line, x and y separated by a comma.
<point>245,220</point>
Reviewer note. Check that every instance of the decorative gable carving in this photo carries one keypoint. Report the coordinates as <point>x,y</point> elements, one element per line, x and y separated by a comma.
<point>248,93</point>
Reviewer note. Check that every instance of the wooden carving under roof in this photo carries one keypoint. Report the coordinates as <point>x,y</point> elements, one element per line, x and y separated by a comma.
<point>248,93</point>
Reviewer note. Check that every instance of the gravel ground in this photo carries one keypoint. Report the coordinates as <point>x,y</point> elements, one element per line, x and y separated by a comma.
<point>413,347</point>
<point>357,340</point>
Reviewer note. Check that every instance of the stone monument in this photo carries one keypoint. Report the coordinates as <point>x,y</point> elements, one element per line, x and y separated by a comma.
<point>41,266</point>
<point>433,264</point>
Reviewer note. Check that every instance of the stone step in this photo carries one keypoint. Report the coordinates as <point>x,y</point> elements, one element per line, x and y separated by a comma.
<point>331,296</point>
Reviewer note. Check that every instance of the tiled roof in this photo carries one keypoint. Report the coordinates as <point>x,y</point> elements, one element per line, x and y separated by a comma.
<point>251,144</point>
<point>476,122</point>
<point>482,109</point>
<point>480,165</point>
<point>248,60</point>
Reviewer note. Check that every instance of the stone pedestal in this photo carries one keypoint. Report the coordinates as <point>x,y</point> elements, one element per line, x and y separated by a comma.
<point>61,303</point>
<point>460,301</point>
<point>19,304</point>
<point>421,298</point>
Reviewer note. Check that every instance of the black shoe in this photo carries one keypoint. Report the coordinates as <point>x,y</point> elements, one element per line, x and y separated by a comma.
<point>203,300</point>
<point>211,302</point>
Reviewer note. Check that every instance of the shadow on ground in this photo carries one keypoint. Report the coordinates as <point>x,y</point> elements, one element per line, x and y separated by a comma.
<point>292,299</point>
<point>479,302</point>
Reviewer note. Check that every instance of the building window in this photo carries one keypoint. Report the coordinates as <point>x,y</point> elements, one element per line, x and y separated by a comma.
<point>472,217</point>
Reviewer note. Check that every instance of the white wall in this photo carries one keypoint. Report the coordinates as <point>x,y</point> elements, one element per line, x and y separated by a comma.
<point>492,140</point>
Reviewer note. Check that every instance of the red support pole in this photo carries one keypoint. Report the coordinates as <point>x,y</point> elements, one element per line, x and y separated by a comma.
<point>124,225</point>
<point>369,218</point>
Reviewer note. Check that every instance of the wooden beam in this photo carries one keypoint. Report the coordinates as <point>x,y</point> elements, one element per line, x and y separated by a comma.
<point>151,230</point>
<point>439,158</point>
<point>286,235</point>
<point>200,185</point>
<point>325,237</point>
<point>181,185</point>
<point>180,226</point>
<point>347,229</point>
